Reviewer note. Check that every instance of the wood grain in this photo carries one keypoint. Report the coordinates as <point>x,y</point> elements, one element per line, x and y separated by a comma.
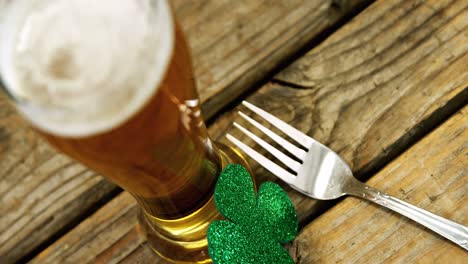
<point>251,39</point>
<point>110,234</point>
<point>118,217</point>
<point>234,44</point>
<point>405,53</point>
<point>386,107</point>
<point>38,188</point>
<point>433,175</point>
<point>366,121</point>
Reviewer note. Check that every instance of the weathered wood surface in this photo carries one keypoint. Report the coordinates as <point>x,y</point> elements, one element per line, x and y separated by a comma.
<point>237,43</point>
<point>234,43</point>
<point>433,175</point>
<point>367,121</point>
<point>369,114</point>
<point>403,55</point>
<point>109,236</point>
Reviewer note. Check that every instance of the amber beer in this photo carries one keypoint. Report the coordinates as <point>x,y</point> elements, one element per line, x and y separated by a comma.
<point>163,156</point>
<point>139,125</point>
<point>162,153</point>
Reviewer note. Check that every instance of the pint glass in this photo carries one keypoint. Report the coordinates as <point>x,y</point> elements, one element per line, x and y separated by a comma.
<point>110,84</point>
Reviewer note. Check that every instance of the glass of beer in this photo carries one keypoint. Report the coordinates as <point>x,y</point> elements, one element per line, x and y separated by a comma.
<point>110,84</point>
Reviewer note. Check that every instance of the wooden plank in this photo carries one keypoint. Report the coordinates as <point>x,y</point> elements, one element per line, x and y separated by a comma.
<point>38,188</point>
<point>235,44</point>
<point>120,214</point>
<point>370,120</point>
<point>391,119</point>
<point>113,226</point>
<point>404,52</point>
<point>251,39</point>
<point>433,175</point>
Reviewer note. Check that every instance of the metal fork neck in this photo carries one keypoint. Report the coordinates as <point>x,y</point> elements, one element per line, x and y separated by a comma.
<point>453,231</point>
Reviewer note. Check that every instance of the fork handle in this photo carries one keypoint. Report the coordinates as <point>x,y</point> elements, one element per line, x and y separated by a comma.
<point>446,228</point>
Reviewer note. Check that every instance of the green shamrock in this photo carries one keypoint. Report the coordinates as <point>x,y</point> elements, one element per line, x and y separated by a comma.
<point>256,227</point>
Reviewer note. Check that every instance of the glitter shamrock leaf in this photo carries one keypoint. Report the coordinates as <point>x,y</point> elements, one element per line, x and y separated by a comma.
<point>256,227</point>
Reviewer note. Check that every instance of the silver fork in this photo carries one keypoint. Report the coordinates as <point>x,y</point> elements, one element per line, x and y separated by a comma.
<point>323,175</point>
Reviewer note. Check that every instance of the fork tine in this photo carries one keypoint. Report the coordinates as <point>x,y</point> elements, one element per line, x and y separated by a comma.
<point>293,133</point>
<point>262,160</point>
<point>297,152</point>
<point>292,164</point>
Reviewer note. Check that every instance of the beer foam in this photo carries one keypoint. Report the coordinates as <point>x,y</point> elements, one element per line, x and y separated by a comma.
<point>82,67</point>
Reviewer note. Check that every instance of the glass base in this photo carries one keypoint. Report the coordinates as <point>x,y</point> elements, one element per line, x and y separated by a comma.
<point>191,246</point>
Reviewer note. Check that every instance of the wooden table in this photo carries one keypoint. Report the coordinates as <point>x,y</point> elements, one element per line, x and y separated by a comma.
<point>384,84</point>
